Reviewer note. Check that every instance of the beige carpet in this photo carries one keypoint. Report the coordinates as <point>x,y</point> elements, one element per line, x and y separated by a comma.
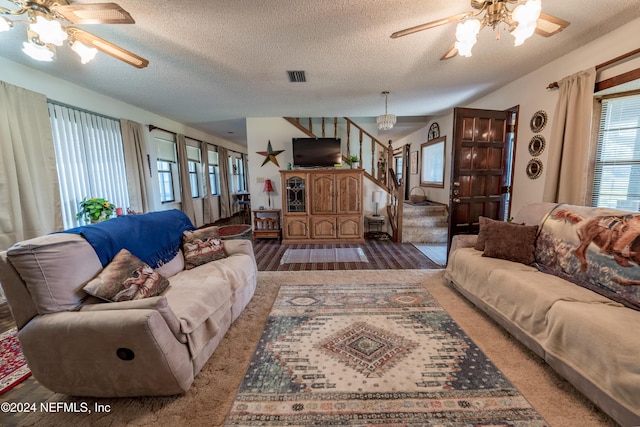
<point>208,400</point>
<point>302,256</point>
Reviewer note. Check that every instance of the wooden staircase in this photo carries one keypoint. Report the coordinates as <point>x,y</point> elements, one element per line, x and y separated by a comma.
<point>415,224</point>
<point>424,224</point>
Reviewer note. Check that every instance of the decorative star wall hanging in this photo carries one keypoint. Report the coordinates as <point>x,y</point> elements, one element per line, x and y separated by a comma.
<point>270,155</point>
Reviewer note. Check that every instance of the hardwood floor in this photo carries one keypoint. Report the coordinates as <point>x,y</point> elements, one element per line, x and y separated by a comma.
<point>381,254</point>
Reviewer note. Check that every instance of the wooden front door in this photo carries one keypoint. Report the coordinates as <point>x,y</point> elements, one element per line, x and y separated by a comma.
<point>481,173</point>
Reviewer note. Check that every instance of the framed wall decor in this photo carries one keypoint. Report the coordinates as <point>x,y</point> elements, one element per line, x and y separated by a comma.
<point>536,145</point>
<point>538,121</point>
<point>534,168</point>
<point>432,154</point>
<point>414,162</point>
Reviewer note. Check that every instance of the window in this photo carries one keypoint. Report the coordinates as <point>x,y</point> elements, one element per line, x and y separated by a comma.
<point>617,161</point>
<point>238,182</point>
<point>433,158</point>
<point>193,179</point>
<point>89,159</point>
<point>165,176</point>
<point>214,171</point>
<point>195,168</point>
<point>167,170</point>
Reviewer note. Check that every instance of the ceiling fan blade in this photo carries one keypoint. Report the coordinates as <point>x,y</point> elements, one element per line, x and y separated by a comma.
<point>450,53</point>
<point>548,25</point>
<point>96,13</point>
<point>429,25</point>
<point>107,47</point>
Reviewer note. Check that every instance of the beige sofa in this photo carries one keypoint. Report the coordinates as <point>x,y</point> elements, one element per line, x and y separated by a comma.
<point>587,337</point>
<point>78,345</point>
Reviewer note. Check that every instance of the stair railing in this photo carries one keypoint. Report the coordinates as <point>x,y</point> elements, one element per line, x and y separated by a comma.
<point>374,156</point>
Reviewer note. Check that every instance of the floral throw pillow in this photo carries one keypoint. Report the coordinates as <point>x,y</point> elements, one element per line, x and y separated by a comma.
<point>201,246</point>
<point>126,278</point>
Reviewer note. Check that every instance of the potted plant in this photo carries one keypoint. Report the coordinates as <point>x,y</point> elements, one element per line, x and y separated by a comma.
<point>353,160</point>
<point>95,209</point>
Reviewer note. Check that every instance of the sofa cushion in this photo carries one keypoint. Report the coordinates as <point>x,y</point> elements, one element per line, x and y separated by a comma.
<point>201,300</point>
<point>55,267</point>
<point>126,278</point>
<point>525,297</point>
<point>202,246</point>
<point>600,341</point>
<point>513,242</point>
<point>470,270</point>
<point>482,234</point>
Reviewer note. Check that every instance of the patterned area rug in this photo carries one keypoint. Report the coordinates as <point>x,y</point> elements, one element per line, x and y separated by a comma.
<point>13,366</point>
<point>301,256</point>
<point>374,354</point>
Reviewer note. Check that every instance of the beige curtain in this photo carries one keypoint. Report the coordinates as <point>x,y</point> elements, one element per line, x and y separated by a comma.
<point>137,166</point>
<point>225,197</point>
<point>567,164</point>
<point>29,190</point>
<point>208,207</point>
<point>185,184</point>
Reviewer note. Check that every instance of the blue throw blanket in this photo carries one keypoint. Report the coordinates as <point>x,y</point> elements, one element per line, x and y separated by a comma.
<point>154,237</point>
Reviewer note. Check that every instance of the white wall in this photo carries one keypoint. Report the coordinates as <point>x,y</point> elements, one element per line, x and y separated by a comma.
<point>530,93</point>
<point>65,92</point>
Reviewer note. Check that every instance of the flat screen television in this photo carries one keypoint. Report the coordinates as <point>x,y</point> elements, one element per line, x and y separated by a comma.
<point>316,152</point>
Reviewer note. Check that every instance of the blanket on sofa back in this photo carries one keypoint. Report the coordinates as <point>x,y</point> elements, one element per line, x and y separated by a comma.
<point>598,249</point>
<point>154,237</point>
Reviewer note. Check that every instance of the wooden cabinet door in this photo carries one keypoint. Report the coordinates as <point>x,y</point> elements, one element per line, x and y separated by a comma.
<point>323,227</point>
<point>349,193</point>
<point>323,200</point>
<point>349,227</point>
<point>295,228</point>
<point>294,193</point>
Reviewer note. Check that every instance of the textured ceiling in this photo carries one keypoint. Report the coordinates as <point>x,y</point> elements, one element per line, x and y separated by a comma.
<point>214,63</point>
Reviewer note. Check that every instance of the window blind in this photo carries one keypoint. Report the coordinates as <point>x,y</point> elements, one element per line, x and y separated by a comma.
<point>89,159</point>
<point>617,167</point>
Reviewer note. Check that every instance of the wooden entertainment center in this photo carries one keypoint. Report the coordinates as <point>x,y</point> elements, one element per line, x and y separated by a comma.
<point>322,206</point>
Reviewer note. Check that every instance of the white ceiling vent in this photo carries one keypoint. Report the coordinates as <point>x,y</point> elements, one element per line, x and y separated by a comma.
<point>297,76</point>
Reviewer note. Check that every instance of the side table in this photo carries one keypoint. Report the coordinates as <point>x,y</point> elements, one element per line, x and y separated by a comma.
<point>375,227</point>
<point>266,224</point>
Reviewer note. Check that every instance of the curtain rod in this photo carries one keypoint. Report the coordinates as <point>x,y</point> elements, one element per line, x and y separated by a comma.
<point>154,127</point>
<point>554,85</point>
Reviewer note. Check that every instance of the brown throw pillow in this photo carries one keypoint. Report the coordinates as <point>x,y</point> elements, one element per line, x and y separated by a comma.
<point>513,242</point>
<point>201,247</point>
<point>482,234</point>
<point>126,278</point>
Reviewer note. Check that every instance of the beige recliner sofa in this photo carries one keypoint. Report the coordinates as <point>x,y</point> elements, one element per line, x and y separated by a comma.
<point>77,345</point>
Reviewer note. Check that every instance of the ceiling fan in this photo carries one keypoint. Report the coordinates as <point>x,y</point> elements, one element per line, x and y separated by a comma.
<point>45,30</point>
<point>521,21</point>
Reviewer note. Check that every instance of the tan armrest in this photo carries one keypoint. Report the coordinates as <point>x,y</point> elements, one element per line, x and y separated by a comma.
<point>159,304</point>
<point>108,353</point>
<point>462,241</point>
<point>239,246</point>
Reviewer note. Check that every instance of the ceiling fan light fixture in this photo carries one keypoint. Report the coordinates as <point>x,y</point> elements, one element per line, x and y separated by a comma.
<point>386,121</point>
<point>85,52</point>
<point>526,15</point>
<point>39,52</point>
<point>467,36</point>
<point>49,32</point>
<point>5,24</point>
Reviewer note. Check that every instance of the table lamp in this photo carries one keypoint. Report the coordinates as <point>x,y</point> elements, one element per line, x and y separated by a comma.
<point>376,198</point>
<point>268,188</point>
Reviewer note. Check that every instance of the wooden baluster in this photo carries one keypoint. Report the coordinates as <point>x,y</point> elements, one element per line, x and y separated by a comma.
<point>335,127</point>
<point>348,139</point>
<point>310,125</point>
<point>323,134</point>
<point>360,151</point>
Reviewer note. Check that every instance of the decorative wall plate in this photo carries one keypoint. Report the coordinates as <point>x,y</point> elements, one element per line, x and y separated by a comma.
<point>538,121</point>
<point>534,168</point>
<point>536,145</point>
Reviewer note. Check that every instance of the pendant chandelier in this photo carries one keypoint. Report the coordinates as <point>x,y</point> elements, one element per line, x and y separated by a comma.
<point>386,121</point>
